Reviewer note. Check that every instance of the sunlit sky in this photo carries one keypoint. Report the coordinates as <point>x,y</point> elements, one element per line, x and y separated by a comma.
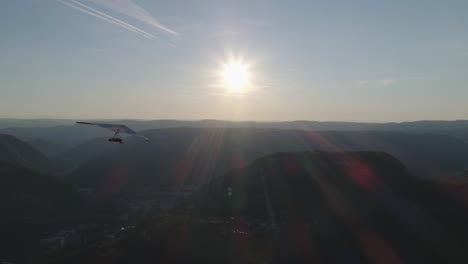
<point>317,60</point>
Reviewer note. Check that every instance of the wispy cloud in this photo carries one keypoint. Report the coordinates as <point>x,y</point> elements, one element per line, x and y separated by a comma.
<point>363,82</point>
<point>379,82</point>
<point>387,81</point>
<point>130,9</point>
<point>105,17</point>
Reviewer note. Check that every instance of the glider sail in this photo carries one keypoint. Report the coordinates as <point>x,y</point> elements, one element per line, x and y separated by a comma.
<point>116,128</point>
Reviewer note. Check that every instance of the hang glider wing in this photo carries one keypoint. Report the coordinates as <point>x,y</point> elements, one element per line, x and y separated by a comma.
<point>116,128</point>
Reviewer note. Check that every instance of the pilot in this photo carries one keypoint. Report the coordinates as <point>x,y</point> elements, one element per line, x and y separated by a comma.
<point>114,139</point>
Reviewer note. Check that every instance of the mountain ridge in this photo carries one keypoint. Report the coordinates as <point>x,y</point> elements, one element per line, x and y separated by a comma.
<point>15,151</point>
<point>66,134</point>
<point>194,156</point>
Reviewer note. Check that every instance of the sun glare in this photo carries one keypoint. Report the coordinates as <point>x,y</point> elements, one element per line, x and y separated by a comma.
<point>235,76</point>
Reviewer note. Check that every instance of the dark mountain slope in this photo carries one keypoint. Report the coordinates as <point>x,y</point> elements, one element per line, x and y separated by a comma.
<point>15,151</point>
<point>18,152</point>
<point>425,154</point>
<point>32,204</point>
<point>50,149</point>
<point>343,201</point>
<point>27,193</point>
<point>354,207</point>
<point>89,150</point>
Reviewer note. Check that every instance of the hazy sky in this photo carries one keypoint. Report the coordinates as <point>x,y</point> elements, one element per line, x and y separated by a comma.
<point>317,60</point>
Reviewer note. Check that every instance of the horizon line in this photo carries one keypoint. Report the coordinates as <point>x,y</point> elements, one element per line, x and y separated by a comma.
<point>232,120</point>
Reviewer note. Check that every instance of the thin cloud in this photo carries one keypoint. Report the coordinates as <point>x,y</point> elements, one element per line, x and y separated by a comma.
<point>130,9</point>
<point>105,17</point>
<point>387,81</point>
<point>363,82</point>
<point>382,82</point>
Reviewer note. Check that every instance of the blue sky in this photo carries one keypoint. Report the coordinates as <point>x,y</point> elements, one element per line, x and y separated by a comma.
<point>317,60</point>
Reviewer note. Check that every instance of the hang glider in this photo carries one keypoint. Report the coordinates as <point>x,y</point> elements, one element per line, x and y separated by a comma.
<point>117,129</point>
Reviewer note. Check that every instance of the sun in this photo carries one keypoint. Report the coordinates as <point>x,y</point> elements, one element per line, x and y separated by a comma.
<point>235,76</point>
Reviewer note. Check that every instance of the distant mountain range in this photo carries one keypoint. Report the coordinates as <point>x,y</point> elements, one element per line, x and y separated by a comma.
<point>57,138</point>
<point>193,156</point>
<point>14,122</point>
<point>62,135</point>
<point>296,124</point>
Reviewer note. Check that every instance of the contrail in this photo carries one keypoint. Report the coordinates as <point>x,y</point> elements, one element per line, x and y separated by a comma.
<point>110,19</point>
<point>113,18</point>
<point>130,9</point>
